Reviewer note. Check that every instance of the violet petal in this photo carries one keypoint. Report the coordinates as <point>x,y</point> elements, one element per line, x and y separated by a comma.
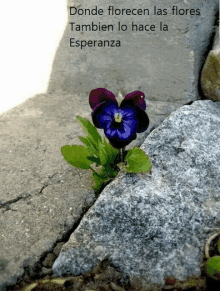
<point>99,95</point>
<point>134,98</point>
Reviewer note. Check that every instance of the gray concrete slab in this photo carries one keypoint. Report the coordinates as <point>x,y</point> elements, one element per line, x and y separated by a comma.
<point>41,195</point>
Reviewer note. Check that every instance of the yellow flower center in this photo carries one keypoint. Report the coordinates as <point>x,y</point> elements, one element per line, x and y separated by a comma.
<point>118,117</point>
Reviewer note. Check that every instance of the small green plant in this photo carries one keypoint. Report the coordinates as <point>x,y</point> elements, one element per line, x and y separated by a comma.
<point>103,159</point>
<point>213,267</point>
<point>121,125</point>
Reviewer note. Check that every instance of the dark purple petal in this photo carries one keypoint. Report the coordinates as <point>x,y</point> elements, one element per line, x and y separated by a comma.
<point>143,120</point>
<point>134,98</point>
<point>97,96</point>
<point>118,144</point>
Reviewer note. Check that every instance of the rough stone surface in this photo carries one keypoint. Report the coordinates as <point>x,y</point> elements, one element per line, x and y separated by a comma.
<point>41,195</point>
<point>210,77</point>
<point>164,65</point>
<point>155,225</point>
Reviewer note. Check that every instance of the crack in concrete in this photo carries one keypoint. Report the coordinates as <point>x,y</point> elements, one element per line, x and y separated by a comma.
<point>53,175</point>
<point>41,190</point>
<point>6,205</point>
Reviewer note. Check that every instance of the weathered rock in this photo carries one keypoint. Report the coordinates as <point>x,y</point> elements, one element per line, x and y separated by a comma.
<point>153,225</point>
<point>210,77</point>
<point>165,65</point>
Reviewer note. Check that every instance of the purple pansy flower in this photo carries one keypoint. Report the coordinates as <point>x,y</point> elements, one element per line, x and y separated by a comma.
<point>120,123</point>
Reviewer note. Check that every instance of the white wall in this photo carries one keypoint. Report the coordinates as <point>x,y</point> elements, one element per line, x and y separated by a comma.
<point>30,32</point>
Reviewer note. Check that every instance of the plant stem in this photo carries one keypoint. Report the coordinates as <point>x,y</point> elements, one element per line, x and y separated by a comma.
<point>122,154</point>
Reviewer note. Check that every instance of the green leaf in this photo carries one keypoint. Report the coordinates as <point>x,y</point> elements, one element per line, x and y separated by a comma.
<point>89,128</point>
<point>85,141</point>
<point>134,151</point>
<point>131,151</point>
<point>90,144</point>
<point>77,156</point>
<point>100,148</point>
<point>103,155</point>
<point>213,267</point>
<point>93,138</point>
<point>94,160</point>
<point>107,153</point>
<point>137,161</point>
<point>107,172</point>
<point>112,152</point>
<point>98,181</point>
<point>93,144</point>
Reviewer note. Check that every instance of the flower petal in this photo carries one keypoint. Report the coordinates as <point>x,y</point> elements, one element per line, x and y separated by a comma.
<point>133,114</point>
<point>134,98</point>
<point>104,113</point>
<point>118,144</point>
<point>111,132</point>
<point>128,113</point>
<point>128,130</point>
<point>97,96</point>
<point>130,126</point>
<point>143,119</point>
<point>124,134</point>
